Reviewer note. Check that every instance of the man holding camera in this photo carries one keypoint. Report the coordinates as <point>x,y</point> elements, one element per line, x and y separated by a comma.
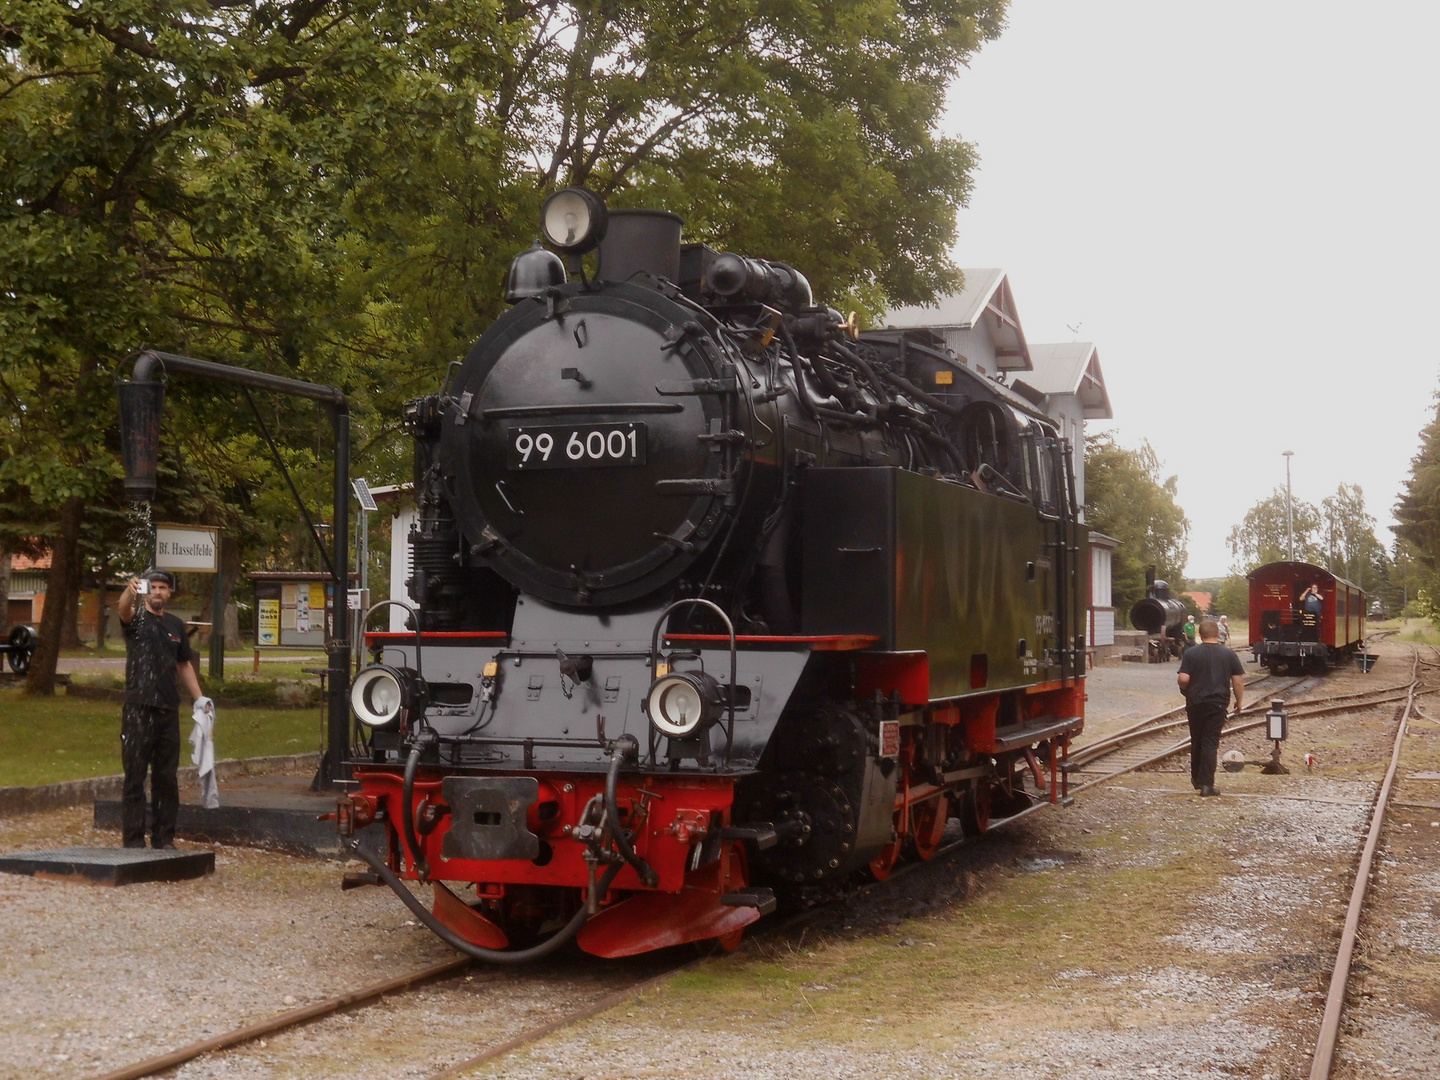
<point>157,655</point>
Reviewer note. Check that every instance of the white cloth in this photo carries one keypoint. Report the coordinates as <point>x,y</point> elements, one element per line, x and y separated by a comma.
<point>202,751</point>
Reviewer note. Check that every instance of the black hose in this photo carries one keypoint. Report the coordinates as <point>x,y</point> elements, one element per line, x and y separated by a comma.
<point>407,809</point>
<point>627,851</point>
<point>877,385</point>
<point>797,365</point>
<point>455,941</point>
<point>829,384</point>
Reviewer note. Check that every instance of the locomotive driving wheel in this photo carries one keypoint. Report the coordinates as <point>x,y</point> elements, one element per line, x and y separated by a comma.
<point>975,808</point>
<point>927,826</point>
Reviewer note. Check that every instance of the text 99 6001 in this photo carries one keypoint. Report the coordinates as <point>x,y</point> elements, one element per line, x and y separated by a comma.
<point>575,446</point>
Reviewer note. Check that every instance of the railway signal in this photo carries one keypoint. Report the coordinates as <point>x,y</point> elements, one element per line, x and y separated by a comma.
<point>1277,729</point>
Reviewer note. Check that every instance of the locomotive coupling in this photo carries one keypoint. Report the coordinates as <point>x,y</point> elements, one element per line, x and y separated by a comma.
<point>353,812</point>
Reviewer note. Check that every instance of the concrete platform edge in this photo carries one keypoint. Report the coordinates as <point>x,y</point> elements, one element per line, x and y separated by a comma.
<point>15,801</point>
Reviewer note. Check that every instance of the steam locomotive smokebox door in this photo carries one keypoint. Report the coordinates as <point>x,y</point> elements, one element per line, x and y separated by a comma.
<point>487,817</point>
<point>848,553</point>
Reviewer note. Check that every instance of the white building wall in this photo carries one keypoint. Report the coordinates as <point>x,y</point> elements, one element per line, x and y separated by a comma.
<point>976,347</point>
<point>1102,613</point>
<point>1102,631</point>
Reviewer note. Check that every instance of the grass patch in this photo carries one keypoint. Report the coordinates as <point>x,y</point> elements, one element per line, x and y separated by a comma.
<point>49,740</point>
<point>1419,632</point>
<point>991,960</point>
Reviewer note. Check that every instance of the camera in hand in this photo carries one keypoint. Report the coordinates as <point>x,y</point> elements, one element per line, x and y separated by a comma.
<point>142,587</point>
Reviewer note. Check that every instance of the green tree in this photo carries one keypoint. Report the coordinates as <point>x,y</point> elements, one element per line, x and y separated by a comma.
<point>1263,536</point>
<point>1348,533</point>
<point>180,174</point>
<point>1418,514</point>
<point>1233,597</point>
<point>1126,498</point>
<point>331,190</point>
<point>795,130</point>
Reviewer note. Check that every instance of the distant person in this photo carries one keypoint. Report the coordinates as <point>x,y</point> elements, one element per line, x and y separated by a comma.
<point>157,654</point>
<point>1224,631</point>
<point>1189,633</point>
<point>1209,674</point>
<point>1311,601</point>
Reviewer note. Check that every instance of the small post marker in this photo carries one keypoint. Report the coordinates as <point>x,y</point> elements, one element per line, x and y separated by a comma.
<point>1277,728</point>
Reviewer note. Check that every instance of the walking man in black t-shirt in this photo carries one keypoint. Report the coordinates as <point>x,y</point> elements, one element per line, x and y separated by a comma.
<point>1209,673</point>
<point>157,653</point>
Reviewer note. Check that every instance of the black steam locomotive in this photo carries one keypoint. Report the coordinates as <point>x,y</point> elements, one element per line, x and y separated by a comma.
<point>715,598</point>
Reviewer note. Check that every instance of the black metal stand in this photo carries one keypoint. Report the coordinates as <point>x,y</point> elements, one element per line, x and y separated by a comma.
<point>332,766</point>
<point>1273,767</point>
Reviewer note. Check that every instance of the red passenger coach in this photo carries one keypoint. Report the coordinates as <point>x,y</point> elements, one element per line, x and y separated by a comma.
<point>1293,639</point>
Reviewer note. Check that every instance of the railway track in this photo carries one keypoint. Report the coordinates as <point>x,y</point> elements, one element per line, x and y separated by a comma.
<point>457,967</point>
<point>1146,742</point>
<point>1154,739</point>
<point>1328,1039</point>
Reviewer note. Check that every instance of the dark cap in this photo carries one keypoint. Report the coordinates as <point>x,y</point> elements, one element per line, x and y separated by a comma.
<point>160,575</point>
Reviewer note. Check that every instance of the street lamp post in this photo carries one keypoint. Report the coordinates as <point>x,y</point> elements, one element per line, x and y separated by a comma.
<point>1289,510</point>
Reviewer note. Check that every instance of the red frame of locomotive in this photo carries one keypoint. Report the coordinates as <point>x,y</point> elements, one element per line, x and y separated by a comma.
<point>667,813</point>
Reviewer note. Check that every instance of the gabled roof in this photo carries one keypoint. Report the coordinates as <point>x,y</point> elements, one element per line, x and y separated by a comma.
<point>986,299</point>
<point>1070,367</point>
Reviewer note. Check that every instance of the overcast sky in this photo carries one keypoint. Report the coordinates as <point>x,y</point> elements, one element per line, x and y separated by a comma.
<point>1237,202</point>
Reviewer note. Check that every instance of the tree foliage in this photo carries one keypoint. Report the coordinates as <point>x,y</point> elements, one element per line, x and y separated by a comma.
<point>1418,514</point>
<point>1339,535</point>
<point>331,190</point>
<point>1126,498</point>
<point>1347,532</point>
<point>1263,536</point>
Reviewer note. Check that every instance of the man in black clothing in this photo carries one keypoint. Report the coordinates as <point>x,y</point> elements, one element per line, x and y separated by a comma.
<point>1209,673</point>
<point>157,653</point>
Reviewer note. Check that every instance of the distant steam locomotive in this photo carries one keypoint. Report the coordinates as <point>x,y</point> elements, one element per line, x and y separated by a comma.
<point>716,598</point>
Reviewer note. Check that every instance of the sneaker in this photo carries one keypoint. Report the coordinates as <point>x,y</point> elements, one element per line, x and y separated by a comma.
<point>1208,790</point>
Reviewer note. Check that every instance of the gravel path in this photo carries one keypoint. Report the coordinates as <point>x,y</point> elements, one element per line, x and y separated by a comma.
<point>1142,932</point>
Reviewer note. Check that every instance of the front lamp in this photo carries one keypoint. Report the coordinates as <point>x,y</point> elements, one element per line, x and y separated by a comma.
<point>574,220</point>
<point>683,703</point>
<point>382,696</point>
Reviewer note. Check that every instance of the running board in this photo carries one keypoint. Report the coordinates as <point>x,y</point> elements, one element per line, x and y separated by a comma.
<point>1018,735</point>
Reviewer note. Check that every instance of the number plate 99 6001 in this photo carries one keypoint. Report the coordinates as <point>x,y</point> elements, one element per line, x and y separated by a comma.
<point>575,446</point>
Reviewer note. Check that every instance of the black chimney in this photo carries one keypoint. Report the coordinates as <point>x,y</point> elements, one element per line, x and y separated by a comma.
<point>638,242</point>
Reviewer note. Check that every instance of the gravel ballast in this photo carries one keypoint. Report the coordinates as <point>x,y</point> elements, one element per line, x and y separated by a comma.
<point>1141,932</point>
